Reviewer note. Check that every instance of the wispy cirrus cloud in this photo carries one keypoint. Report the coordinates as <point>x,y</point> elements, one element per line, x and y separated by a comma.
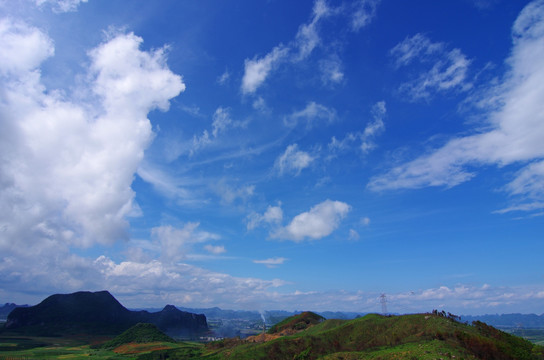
<point>443,69</point>
<point>514,133</point>
<point>366,138</point>
<point>311,115</point>
<point>271,262</point>
<point>61,6</point>
<point>362,13</point>
<point>306,40</point>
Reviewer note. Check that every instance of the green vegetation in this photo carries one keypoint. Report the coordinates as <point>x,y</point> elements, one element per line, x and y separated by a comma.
<point>533,335</point>
<point>297,323</point>
<point>420,336</point>
<point>139,333</point>
<point>380,337</point>
<point>70,348</point>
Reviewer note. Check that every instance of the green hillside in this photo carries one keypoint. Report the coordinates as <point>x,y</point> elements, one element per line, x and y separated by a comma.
<point>139,333</point>
<point>376,337</point>
<point>421,336</point>
<point>297,323</point>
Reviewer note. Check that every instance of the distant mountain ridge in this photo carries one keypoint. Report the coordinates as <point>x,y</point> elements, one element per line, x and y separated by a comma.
<point>218,313</point>
<point>98,313</point>
<point>508,320</point>
<point>7,308</point>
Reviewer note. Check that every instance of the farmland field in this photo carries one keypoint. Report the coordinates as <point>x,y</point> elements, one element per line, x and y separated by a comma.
<point>22,348</point>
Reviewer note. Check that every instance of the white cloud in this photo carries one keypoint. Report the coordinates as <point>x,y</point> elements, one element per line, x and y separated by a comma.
<point>366,137</point>
<point>24,48</point>
<point>331,70</point>
<point>86,154</point>
<point>221,123</point>
<point>353,235</point>
<point>373,128</point>
<point>312,113</point>
<point>166,185</point>
<point>272,216</point>
<point>363,12</point>
<point>271,262</point>
<point>256,70</point>
<point>448,69</point>
<point>293,161</point>
<point>61,6</point>
<point>141,283</point>
<point>365,221</point>
<point>176,243</point>
<point>306,40</point>
<point>223,78</point>
<point>320,221</point>
<point>229,194</point>
<point>260,105</point>
<point>216,250</point>
<point>515,126</point>
<point>307,37</point>
<point>221,120</point>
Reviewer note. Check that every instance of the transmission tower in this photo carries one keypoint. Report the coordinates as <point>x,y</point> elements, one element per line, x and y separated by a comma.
<point>383,301</point>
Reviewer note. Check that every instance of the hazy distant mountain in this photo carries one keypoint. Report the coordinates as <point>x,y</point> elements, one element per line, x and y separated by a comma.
<point>7,308</point>
<point>271,316</point>
<point>98,313</point>
<point>508,320</point>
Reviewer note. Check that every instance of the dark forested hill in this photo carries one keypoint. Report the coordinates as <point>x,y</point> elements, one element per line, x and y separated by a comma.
<point>97,313</point>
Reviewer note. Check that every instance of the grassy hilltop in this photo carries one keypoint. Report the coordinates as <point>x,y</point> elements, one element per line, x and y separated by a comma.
<point>422,336</point>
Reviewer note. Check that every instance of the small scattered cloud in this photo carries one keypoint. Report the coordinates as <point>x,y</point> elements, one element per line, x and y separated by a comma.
<point>256,70</point>
<point>61,6</point>
<point>353,235</point>
<point>259,104</point>
<point>271,262</point>
<point>229,194</point>
<point>484,4</point>
<point>443,69</point>
<point>362,13</point>
<point>306,40</point>
<point>223,78</point>
<point>320,221</point>
<point>272,216</point>
<point>311,115</point>
<point>365,221</point>
<point>221,120</point>
<point>375,127</point>
<point>216,250</point>
<point>293,161</point>
<point>367,137</point>
<point>331,70</point>
<point>176,243</point>
<point>307,37</point>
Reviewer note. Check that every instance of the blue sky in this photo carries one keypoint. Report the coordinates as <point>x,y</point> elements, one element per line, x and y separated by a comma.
<point>272,155</point>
